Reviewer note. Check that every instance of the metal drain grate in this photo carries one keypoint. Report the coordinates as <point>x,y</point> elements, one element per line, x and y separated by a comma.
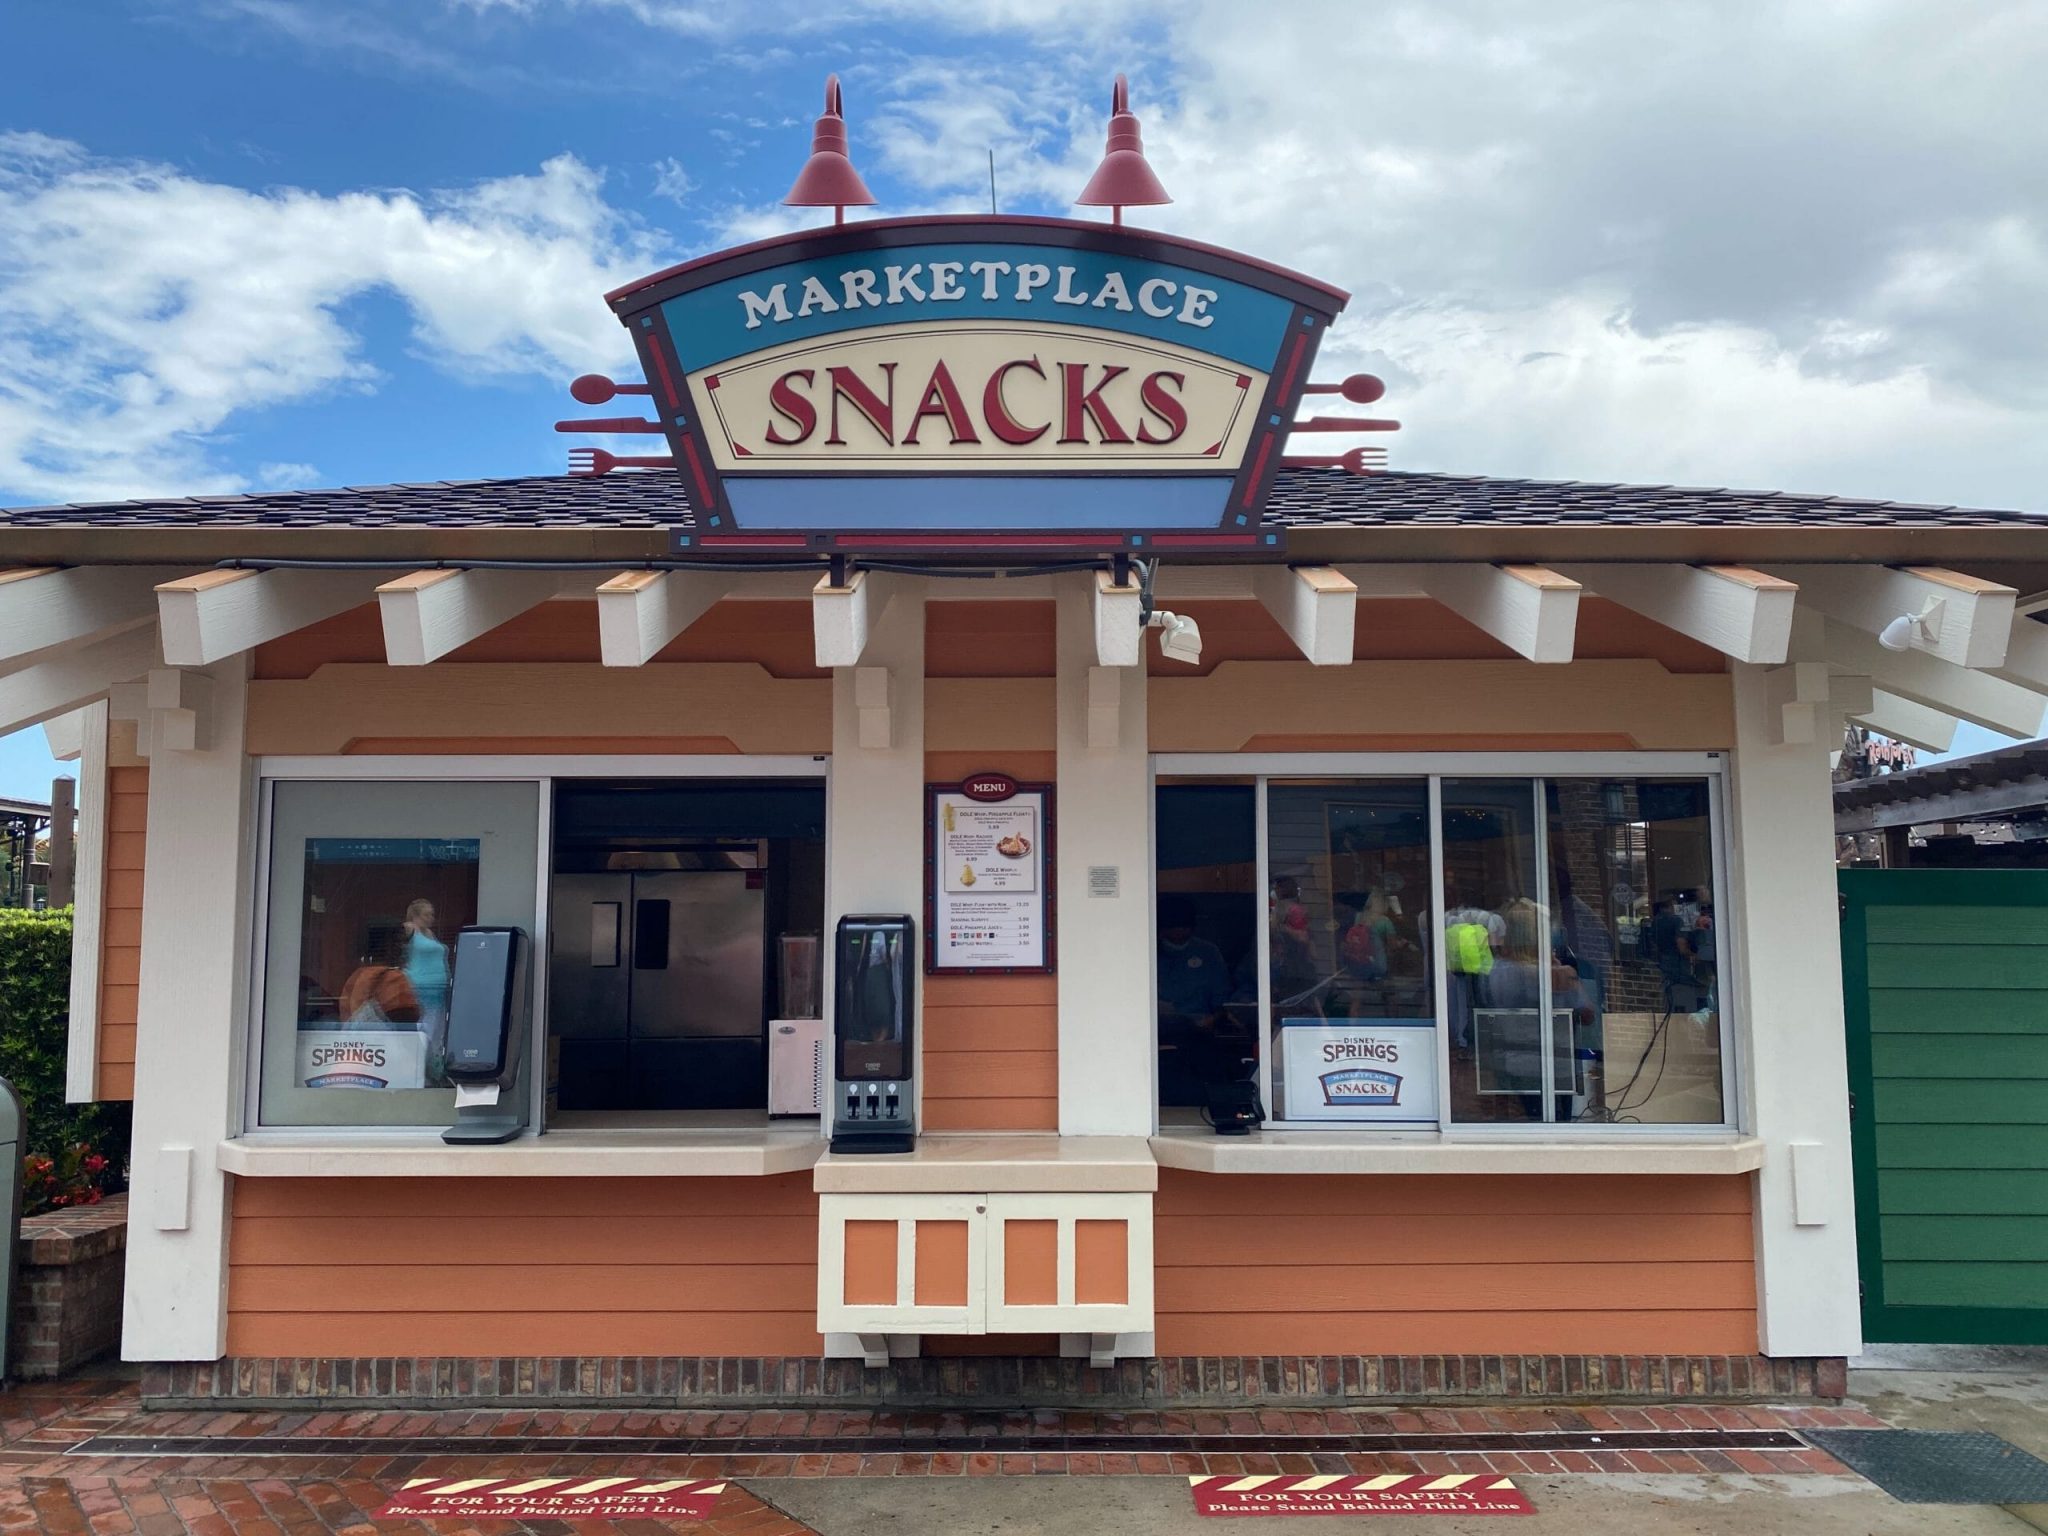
<point>1924,1466</point>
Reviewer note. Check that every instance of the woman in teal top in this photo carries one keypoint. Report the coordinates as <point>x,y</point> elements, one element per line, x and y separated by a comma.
<point>426,967</point>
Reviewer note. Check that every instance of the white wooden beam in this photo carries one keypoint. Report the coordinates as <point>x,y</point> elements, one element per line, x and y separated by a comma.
<point>1742,613</point>
<point>1119,637</point>
<point>639,612</point>
<point>42,607</point>
<point>74,677</point>
<point>842,616</point>
<point>1531,610</point>
<point>872,688</point>
<point>1968,619</point>
<point>222,613</point>
<point>2026,655</point>
<point>1104,704</point>
<point>429,613</point>
<point>1317,606</point>
<point>1915,724</point>
<point>1923,679</point>
<point>64,735</point>
<point>82,1032</point>
<point>180,709</point>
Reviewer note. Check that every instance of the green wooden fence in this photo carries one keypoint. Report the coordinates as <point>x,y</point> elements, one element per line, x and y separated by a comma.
<point>1945,978</point>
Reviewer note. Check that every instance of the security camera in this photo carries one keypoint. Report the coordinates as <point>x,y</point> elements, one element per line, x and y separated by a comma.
<point>1911,630</point>
<point>1180,637</point>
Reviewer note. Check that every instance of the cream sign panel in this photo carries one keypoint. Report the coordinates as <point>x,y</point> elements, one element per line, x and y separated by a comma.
<point>984,396</point>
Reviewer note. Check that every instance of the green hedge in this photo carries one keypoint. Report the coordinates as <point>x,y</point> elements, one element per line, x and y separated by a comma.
<point>35,1005</point>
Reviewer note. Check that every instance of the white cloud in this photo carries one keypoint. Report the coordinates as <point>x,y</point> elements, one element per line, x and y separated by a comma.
<point>671,181</point>
<point>140,308</point>
<point>1770,244</point>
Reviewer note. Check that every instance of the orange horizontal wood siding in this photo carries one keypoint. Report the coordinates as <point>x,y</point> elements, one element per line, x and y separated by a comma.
<point>121,931</point>
<point>991,1043</point>
<point>523,1266</point>
<point>1453,1264</point>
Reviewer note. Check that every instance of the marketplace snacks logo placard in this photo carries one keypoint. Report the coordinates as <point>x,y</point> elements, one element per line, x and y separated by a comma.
<point>1358,1069</point>
<point>1095,380</point>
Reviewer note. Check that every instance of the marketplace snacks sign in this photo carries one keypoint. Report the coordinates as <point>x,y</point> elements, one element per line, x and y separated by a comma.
<point>962,382</point>
<point>1380,1070</point>
<point>377,1059</point>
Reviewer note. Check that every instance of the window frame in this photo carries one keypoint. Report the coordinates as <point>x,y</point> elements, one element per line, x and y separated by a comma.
<point>542,771</point>
<point>1262,768</point>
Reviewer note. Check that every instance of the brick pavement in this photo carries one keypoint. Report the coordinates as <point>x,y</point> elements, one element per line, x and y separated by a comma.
<point>345,1475</point>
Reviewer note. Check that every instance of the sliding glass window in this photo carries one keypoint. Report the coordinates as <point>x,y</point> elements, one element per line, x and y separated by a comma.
<point>1446,950</point>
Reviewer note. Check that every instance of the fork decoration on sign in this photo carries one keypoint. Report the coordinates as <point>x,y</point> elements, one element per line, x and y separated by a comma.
<point>596,389</point>
<point>1358,389</point>
<point>595,461</point>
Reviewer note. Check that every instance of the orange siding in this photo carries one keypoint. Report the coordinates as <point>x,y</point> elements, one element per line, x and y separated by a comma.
<point>1031,1263</point>
<point>991,1043</point>
<point>121,930</point>
<point>939,1268</point>
<point>1012,638</point>
<point>523,1267</point>
<point>1448,1264</point>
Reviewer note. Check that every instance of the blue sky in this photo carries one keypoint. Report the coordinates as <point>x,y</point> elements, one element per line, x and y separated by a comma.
<point>268,243</point>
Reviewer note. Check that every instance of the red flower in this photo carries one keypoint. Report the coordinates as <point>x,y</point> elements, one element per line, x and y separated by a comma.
<point>94,1163</point>
<point>93,1197</point>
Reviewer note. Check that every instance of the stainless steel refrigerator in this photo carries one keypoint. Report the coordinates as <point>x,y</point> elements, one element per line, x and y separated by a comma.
<point>656,990</point>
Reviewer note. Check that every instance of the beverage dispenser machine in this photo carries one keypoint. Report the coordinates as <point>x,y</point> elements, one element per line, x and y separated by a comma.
<point>874,997</point>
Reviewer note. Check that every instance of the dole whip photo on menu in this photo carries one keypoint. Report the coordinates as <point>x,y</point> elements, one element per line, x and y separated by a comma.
<point>989,848</point>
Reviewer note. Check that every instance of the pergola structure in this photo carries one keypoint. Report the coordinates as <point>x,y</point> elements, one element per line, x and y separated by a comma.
<point>1802,586</point>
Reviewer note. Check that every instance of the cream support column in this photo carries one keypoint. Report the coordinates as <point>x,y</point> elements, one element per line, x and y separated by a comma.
<point>1794,1064</point>
<point>1108,1063</point>
<point>874,815</point>
<point>189,1040</point>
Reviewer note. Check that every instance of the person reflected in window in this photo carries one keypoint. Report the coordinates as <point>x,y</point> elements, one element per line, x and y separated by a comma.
<point>1194,987</point>
<point>427,968</point>
<point>1295,972</point>
<point>1365,951</point>
<point>377,994</point>
<point>1671,947</point>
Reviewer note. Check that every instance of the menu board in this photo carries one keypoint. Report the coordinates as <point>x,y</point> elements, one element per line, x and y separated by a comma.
<point>988,877</point>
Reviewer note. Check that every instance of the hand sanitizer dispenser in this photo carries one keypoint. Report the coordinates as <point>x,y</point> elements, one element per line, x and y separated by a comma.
<point>873,1000</point>
<point>487,1028</point>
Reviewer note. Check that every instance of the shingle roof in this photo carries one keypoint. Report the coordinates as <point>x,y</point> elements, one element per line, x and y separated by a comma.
<point>1302,498</point>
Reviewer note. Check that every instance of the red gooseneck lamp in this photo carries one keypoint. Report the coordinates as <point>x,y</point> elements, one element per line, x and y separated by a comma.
<point>1124,179</point>
<point>828,179</point>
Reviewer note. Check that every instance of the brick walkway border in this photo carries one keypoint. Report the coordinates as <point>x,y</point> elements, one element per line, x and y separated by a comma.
<point>1177,1381</point>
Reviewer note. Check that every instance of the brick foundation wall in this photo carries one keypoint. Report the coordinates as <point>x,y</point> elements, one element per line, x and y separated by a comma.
<point>67,1297</point>
<point>1006,1381</point>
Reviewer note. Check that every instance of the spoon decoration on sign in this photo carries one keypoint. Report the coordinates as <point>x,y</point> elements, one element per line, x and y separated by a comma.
<point>596,389</point>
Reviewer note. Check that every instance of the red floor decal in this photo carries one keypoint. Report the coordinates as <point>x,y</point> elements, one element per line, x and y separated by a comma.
<point>552,1498</point>
<point>1391,1494</point>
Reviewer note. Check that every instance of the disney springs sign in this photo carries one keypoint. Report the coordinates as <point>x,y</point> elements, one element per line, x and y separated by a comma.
<point>975,383</point>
